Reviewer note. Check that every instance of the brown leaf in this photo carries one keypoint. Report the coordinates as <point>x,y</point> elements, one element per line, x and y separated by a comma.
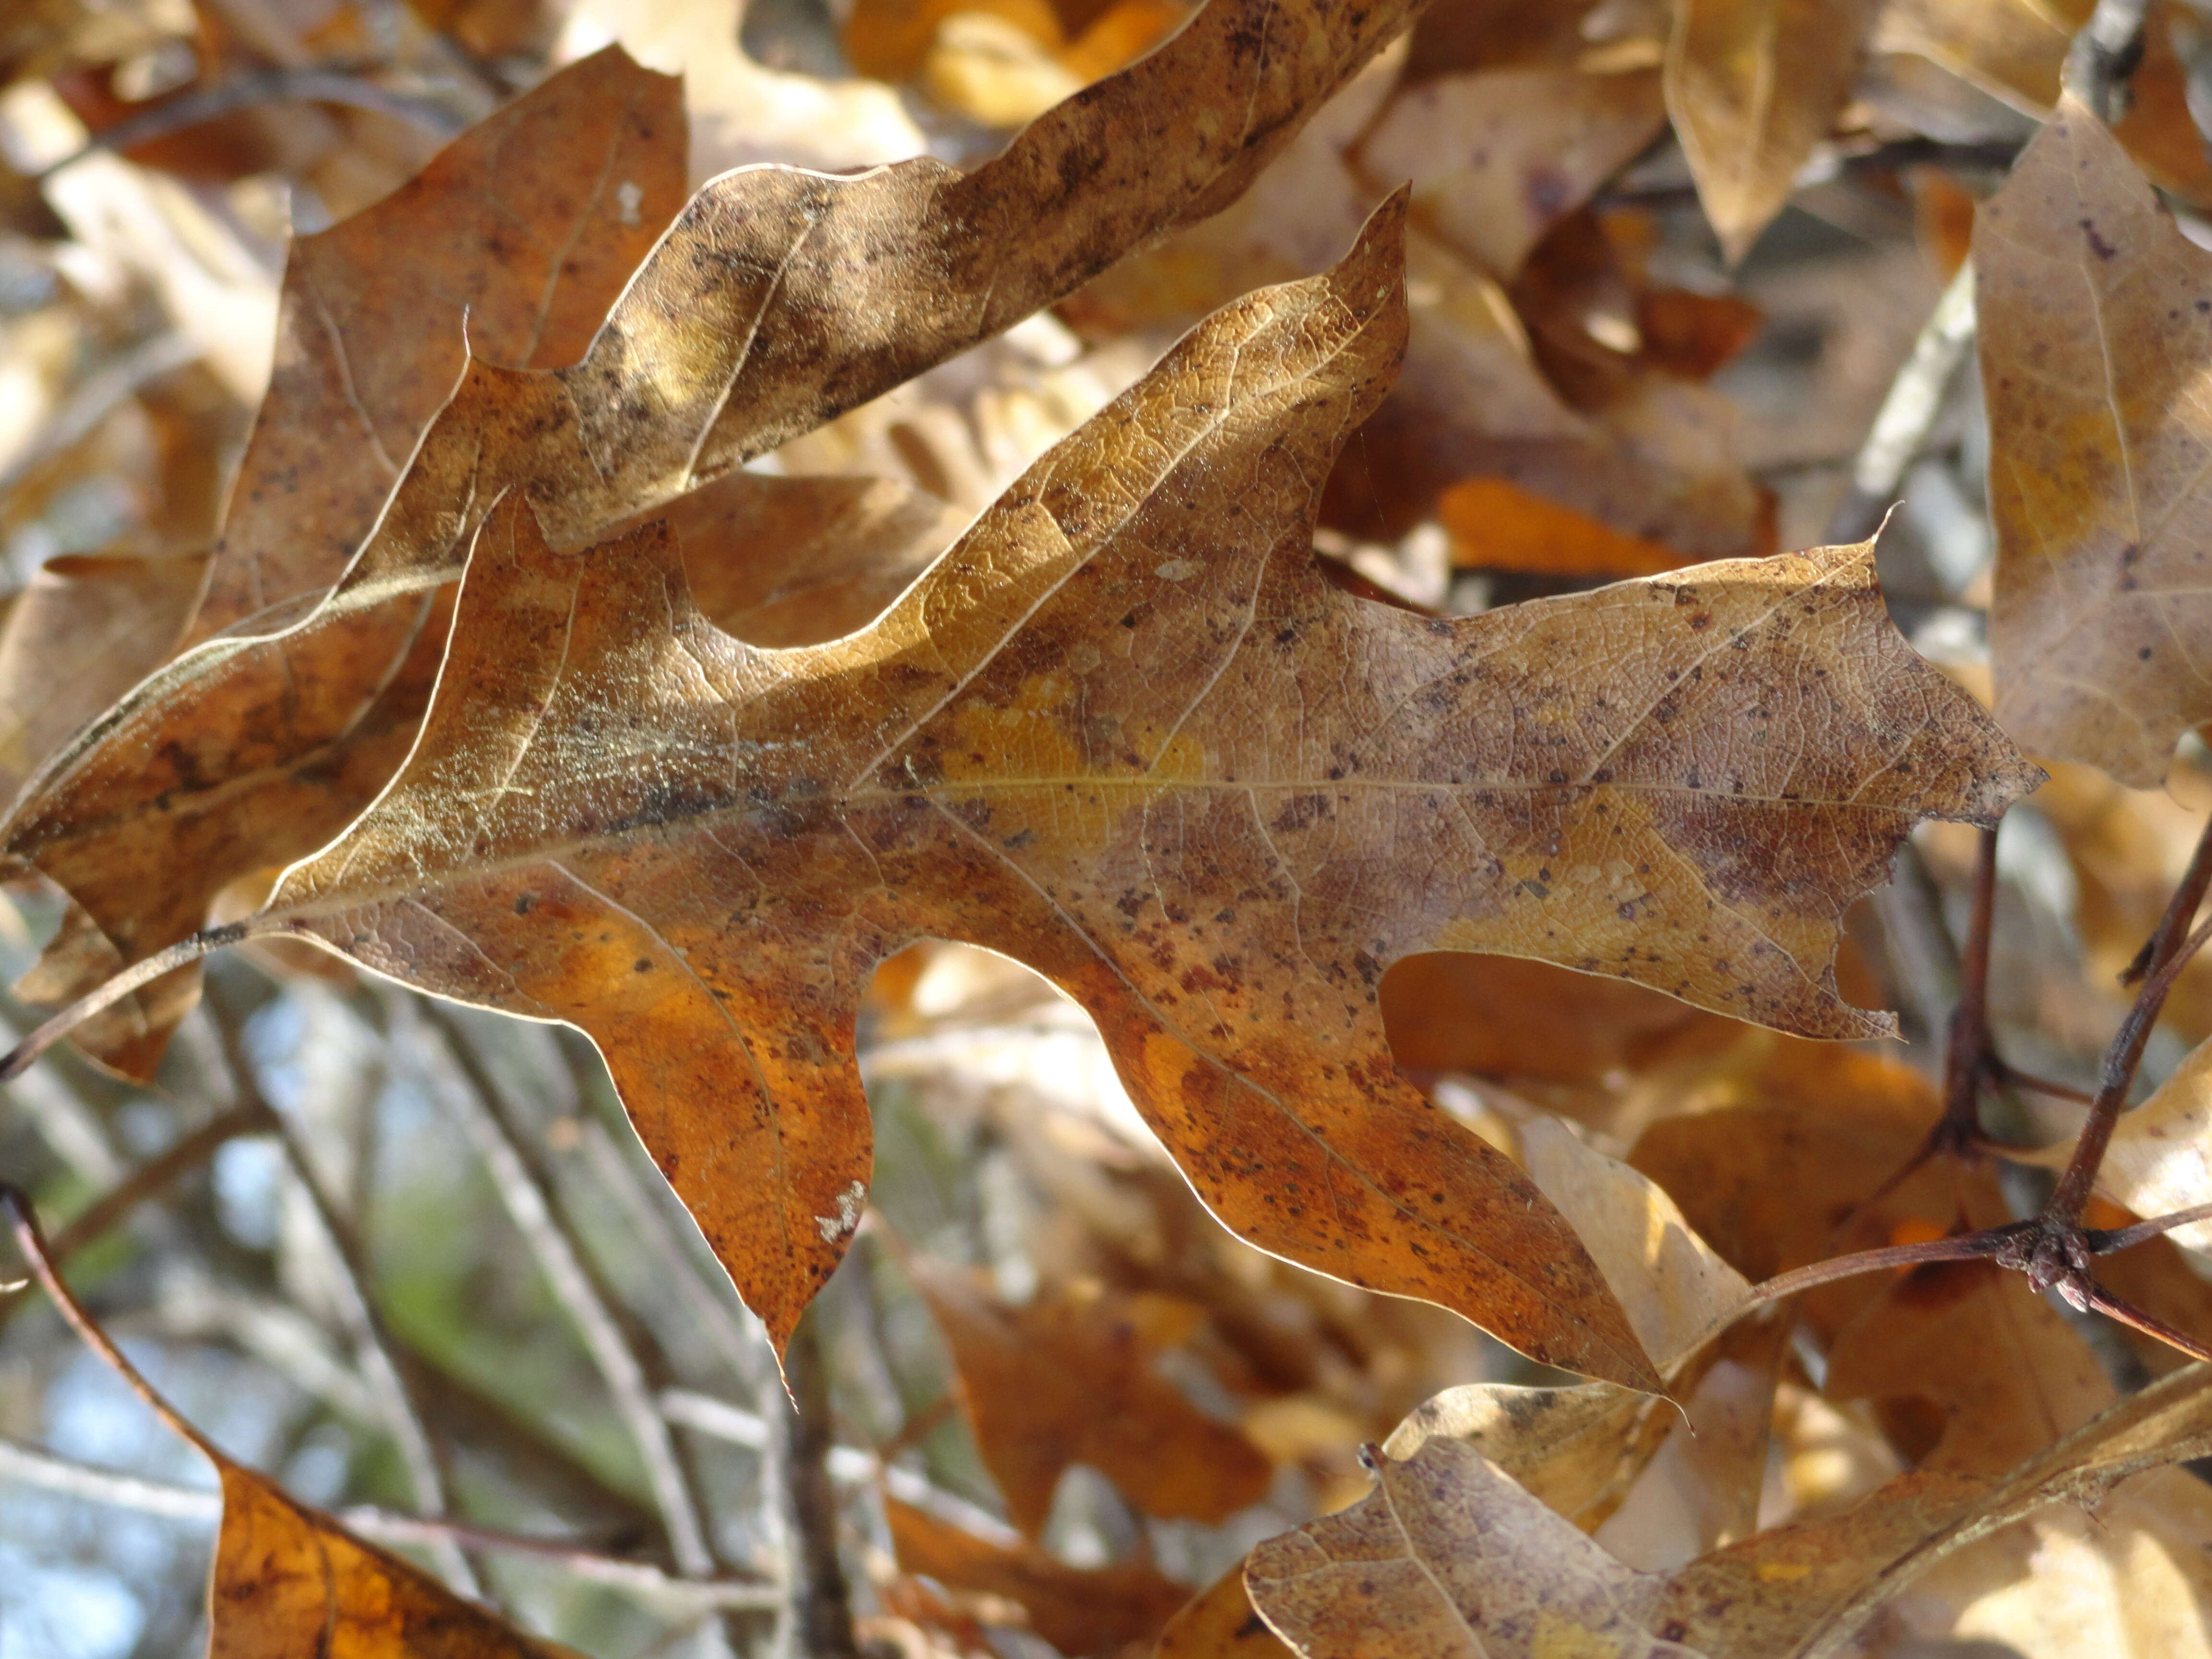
<point>1064,744</point>
<point>2096,316</point>
<point>289,1580</point>
<point>509,249</point>
<point>1512,1018</point>
<point>926,773</point>
<point>1068,1378</point>
<point>1079,1610</point>
<point>780,298</point>
<point>1752,86</point>
<point>2005,1373</point>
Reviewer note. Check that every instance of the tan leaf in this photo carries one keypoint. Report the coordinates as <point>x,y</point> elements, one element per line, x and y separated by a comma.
<point>780,298</point>
<point>1079,1610</point>
<point>1752,86</point>
<point>289,1580</point>
<point>1702,1486</point>
<point>2096,316</point>
<point>1496,158</point>
<point>1675,1287</point>
<point>1068,1378</point>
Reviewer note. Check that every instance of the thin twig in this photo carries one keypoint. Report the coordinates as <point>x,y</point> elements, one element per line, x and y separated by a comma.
<point>2103,1301</point>
<point>1964,1247</point>
<point>2116,1077</point>
<point>479,1104</point>
<point>154,1177</point>
<point>37,1468</point>
<point>1908,413</point>
<point>348,1277</point>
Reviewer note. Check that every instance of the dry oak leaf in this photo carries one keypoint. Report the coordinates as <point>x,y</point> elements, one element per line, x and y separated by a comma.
<point>2096,323</point>
<point>1068,1378</point>
<point>1079,1610</point>
<point>289,1580</point>
<point>778,299</point>
<point>1112,732</point>
<point>1449,1557</point>
<point>1752,86</point>
<point>508,247</point>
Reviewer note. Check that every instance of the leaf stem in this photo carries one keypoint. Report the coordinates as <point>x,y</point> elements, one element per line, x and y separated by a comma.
<point>184,953</point>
